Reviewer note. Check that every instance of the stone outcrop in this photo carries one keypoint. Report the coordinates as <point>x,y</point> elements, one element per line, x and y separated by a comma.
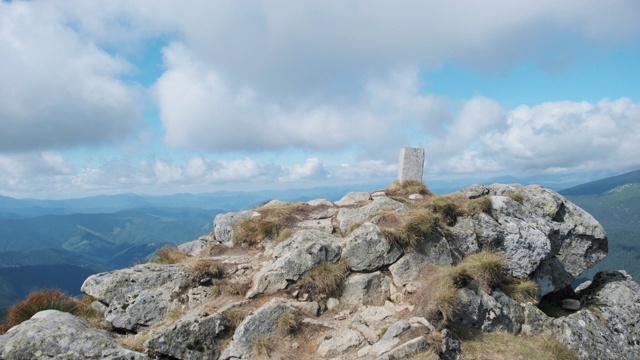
<point>542,235</point>
<point>52,334</point>
<point>240,298</point>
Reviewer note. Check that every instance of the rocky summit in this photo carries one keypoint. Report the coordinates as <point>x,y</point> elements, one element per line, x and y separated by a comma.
<point>399,273</point>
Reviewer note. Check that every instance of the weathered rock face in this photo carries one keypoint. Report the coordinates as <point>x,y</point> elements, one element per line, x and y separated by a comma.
<point>607,325</point>
<point>135,297</point>
<point>262,323</point>
<point>546,237</point>
<point>224,225</point>
<point>367,249</point>
<point>348,216</point>
<point>495,312</point>
<point>53,334</point>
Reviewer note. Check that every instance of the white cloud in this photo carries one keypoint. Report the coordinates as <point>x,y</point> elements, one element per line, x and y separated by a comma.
<point>558,136</point>
<point>312,169</point>
<point>58,89</point>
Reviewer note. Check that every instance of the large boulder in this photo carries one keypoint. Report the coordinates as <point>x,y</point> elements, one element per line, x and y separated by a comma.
<point>53,334</point>
<point>262,323</point>
<point>488,312</point>
<point>193,337</point>
<point>366,289</point>
<point>607,325</point>
<point>136,297</point>
<point>368,250</point>
<point>300,253</point>
<point>541,234</point>
<point>224,225</point>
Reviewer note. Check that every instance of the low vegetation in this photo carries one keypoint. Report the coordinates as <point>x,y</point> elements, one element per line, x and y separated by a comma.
<point>419,224</point>
<point>325,279</point>
<point>275,222</point>
<point>477,345</point>
<point>262,346</point>
<point>253,231</point>
<point>448,210</point>
<point>44,300</point>
<point>169,255</point>
<point>478,205</point>
<point>407,188</point>
<point>520,290</point>
<point>515,196</point>
<point>288,322</point>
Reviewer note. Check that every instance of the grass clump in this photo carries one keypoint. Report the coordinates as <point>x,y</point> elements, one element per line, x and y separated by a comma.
<point>326,279</point>
<point>515,196</point>
<point>447,209</point>
<point>488,268</point>
<point>288,322</point>
<point>37,301</point>
<point>504,346</point>
<point>521,291</point>
<point>418,224</point>
<point>262,346</point>
<point>478,205</point>
<point>253,231</point>
<point>169,255</point>
<point>407,188</point>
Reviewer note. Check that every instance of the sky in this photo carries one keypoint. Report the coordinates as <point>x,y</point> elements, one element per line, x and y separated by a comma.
<point>160,97</point>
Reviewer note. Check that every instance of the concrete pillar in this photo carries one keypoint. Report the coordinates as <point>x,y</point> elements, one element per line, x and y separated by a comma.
<point>411,164</point>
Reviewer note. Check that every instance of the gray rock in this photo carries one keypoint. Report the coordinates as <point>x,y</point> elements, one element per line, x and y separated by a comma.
<point>303,251</point>
<point>407,349</point>
<point>366,289</point>
<point>323,225</point>
<point>546,237</point>
<point>119,283</point>
<point>59,335</point>
<point>450,347</point>
<point>136,297</point>
<point>193,337</point>
<point>139,310</point>
<point>332,303</point>
<point>224,225</point>
<point>348,216</point>
<point>353,198</point>
<point>495,312</point>
<point>571,304</point>
<point>416,197</point>
<point>193,248</point>
<point>340,342</point>
<point>406,268</point>
<point>262,323</point>
<point>368,250</point>
<point>320,202</point>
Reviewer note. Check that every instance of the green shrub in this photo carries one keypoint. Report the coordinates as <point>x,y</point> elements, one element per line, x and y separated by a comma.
<point>169,255</point>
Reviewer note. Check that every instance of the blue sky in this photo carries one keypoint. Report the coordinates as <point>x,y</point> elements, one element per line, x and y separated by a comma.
<point>158,97</point>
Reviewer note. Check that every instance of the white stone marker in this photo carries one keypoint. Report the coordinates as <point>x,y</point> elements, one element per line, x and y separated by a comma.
<point>411,164</point>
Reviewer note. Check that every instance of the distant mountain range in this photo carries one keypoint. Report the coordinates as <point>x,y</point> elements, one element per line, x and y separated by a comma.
<point>615,203</point>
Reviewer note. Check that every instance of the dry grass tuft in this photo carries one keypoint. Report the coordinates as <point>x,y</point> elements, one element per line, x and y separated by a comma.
<point>447,209</point>
<point>288,322</point>
<point>43,300</point>
<point>133,342</point>
<point>169,255</point>
<point>478,205</point>
<point>325,279</point>
<point>515,196</point>
<point>519,290</point>
<point>428,354</point>
<point>262,346</point>
<point>234,316</point>
<point>488,268</point>
<point>253,231</point>
<point>418,224</point>
<point>406,188</point>
<point>505,346</point>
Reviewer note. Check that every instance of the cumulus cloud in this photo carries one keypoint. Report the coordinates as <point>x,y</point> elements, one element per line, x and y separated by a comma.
<point>559,136</point>
<point>58,89</point>
<point>199,110</point>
